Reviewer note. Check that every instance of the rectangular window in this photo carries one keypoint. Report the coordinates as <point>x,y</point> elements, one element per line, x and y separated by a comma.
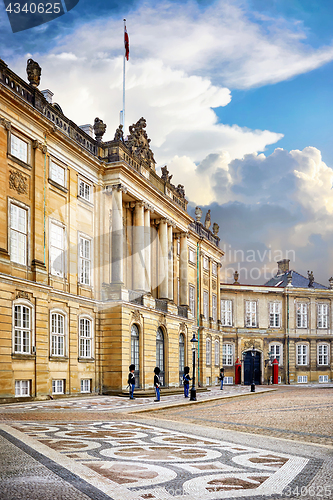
<point>18,148</point>
<point>250,313</point>
<point>58,386</point>
<point>276,353</point>
<point>275,314</point>
<point>85,260</point>
<point>57,334</point>
<point>57,173</point>
<point>217,353</point>
<point>178,247</point>
<point>214,269</point>
<point>214,307</point>
<point>22,329</point>
<point>302,379</point>
<point>178,290</point>
<point>323,379</point>
<point>228,380</point>
<point>226,312</point>
<point>323,354</point>
<point>205,263</point>
<point>208,352</point>
<point>208,381</point>
<point>18,234</point>
<point>227,355</point>
<point>302,315</point>
<point>57,250</point>
<point>86,385</point>
<point>322,315</point>
<point>302,354</point>
<point>22,388</point>
<point>192,299</point>
<point>84,190</point>
<point>205,305</point>
<point>191,255</point>
<point>85,338</point>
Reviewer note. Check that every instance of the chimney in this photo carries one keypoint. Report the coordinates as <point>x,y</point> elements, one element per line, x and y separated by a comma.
<point>283,266</point>
<point>48,95</point>
<point>88,129</point>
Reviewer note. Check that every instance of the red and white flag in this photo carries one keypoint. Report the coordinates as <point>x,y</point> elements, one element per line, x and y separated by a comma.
<point>126,41</point>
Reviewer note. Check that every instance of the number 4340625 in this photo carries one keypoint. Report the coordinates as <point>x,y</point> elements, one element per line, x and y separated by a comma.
<point>33,8</point>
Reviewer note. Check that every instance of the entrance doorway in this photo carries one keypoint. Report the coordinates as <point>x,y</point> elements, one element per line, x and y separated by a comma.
<point>160,354</point>
<point>252,366</point>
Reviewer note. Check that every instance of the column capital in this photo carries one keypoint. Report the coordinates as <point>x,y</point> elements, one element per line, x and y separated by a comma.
<point>148,207</point>
<point>119,187</point>
<point>5,123</point>
<point>139,204</point>
<point>183,234</point>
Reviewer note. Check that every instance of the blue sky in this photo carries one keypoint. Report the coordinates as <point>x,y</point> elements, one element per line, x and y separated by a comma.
<point>222,85</point>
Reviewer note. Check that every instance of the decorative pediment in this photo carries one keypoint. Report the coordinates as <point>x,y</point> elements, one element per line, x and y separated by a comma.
<point>139,143</point>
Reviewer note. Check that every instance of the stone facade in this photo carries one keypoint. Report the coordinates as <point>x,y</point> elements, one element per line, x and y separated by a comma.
<point>100,263</point>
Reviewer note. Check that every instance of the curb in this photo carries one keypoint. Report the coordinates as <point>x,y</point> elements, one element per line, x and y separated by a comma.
<point>177,405</point>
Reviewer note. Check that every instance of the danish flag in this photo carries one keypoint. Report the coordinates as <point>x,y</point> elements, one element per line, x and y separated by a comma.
<point>126,41</point>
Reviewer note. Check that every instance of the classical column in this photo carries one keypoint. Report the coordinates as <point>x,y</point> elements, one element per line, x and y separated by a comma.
<point>147,244</point>
<point>170,262</point>
<point>117,234</point>
<point>128,246</point>
<point>183,270</point>
<point>138,248</point>
<point>163,260</point>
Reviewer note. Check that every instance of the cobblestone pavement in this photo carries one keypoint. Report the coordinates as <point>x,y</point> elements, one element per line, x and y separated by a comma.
<point>50,453</point>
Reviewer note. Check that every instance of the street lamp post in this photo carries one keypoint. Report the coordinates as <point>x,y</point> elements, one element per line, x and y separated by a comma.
<point>253,385</point>
<point>194,341</point>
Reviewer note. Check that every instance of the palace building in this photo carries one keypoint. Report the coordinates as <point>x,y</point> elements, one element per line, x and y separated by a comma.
<point>101,265</point>
<point>288,319</point>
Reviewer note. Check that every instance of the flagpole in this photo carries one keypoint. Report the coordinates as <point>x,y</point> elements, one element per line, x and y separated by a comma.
<point>124,76</point>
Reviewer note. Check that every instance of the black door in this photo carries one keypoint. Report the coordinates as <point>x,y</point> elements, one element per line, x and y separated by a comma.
<point>252,363</point>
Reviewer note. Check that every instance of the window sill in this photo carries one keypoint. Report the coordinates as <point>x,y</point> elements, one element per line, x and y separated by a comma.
<point>58,358</point>
<point>20,162</point>
<point>86,360</point>
<point>85,202</point>
<point>17,355</point>
<point>58,186</point>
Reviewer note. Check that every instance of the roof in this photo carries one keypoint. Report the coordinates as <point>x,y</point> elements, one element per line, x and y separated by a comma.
<point>298,281</point>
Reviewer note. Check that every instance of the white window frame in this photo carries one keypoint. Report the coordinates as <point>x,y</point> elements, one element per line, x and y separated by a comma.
<point>22,388</point>
<point>15,233</point>
<point>228,380</point>
<point>86,343</point>
<point>323,356</point>
<point>85,278</point>
<point>251,316</point>
<point>227,354</point>
<point>58,386</point>
<point>323,379</point>
<point>56,336</point>
<point>302,379</point>
<point>31,337</point>
<point>191,255</point>
<point>277,349</point>
<point>301,315</point>
<point>275,314</point>
<point>85,190</point>
<point>19,148</point>
<point>54,172</point>
<point>322,316</point>
<point>56,252</point>
<point>205,263</point>
<point>206,305</point>
<point>208,351</point>
<point>302,354</point>
<point>214,307</point>
<point>85,385</point>
<point>191,294</point>
<point>217,352</point>
<point>214,269</point>
<point>226,312</point>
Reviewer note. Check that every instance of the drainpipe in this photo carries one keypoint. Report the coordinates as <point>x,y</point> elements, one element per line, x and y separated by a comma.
<point>198,313</point>
<point>288,374</point>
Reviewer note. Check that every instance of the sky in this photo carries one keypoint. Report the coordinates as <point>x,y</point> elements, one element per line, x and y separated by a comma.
<point>237,95</point>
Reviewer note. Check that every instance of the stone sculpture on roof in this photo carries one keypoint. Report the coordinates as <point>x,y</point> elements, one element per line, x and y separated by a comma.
<point>138,142</point>
<point>207,220</point>
<point>99,129</point>
<point>33,72</point>
<point>165,174</point>
<point>311,278</point>
<point>119,135</point>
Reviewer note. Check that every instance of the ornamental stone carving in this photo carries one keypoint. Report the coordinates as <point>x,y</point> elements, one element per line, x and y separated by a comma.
<point>162,320</point>
<point>21,294</point>
<point>99,129</point>
<point>165,174</point>
<point>119,135</point>
<point>139,143</point>
<point>39,145</point>
<point>198,214</point>
<point>207,220</point>
<point>5,123</point>
<point>311,278</point>
<point>249,344</point>
<point>136,316</point>
<point>33,71</point>
<point>214,285</point>
<point>18,182</point>
<point>216,229</point>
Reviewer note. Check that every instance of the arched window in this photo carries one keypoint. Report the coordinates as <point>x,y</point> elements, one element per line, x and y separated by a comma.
<point>135,356</point>
<point>208,352</point>
<point>181,357</point>
<point>57,334</point>
<point>22,328</point>
<point>160,353</point>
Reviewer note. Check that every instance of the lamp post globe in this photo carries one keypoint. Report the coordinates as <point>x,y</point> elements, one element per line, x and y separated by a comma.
<point>253,385</point>
<point>193,394</point>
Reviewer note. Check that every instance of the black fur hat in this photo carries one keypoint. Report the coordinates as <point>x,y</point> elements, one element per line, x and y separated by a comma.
<point>131,367</point>
<point>186,370</point>
<point>157,370</point>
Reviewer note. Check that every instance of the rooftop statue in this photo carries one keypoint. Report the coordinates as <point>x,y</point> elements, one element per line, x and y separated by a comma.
<point>99,129</point>
<point>165,174</point>
<point>33,72</point>
<point>207,220</point>
<point>119,135</point>
<point>216,229</point>
<point>311,278</point>
<point>198,214</point>
<point>138,141</point>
